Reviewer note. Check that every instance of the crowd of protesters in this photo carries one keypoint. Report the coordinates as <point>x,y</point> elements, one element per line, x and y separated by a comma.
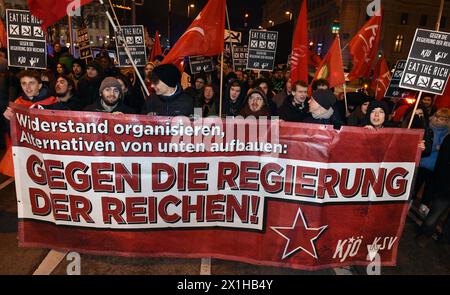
<point>97,85</point>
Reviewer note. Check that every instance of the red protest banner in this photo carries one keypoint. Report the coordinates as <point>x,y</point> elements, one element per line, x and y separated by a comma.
<point>295,195</point>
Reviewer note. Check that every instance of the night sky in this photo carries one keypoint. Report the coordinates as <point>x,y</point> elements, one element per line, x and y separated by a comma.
<point>153,14</point>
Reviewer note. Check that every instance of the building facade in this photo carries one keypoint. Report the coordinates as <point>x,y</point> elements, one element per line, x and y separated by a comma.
<point>401,18</point>
<point>94,16</point>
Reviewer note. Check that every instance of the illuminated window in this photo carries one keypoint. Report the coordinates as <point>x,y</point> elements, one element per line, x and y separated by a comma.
<point>399,44</point>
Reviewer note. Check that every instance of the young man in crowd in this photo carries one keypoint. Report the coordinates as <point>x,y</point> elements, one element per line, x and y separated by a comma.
<point>169,99</point>
<point>35,94</point>
<point>77,71</point>
<point>295,107</point>
<point>321,109</point>
<point>65,94</point>
<point>110,98</point>
<point>89,84</point>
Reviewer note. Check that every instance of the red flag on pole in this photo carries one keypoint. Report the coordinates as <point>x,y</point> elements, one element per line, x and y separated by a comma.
<point>156,49</point>
<point>51,11</point>
<point>2,35</point>
<point>364,47</point>
<point>443,101</point>
<point>300,52</point>
<point>205,36</point>
<point>314,59</point>
<point>381,78</point>
<point>331,67</point>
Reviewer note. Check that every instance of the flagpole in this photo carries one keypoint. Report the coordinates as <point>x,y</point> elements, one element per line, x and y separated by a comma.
<point>344,86</point>
<point>221,87</point>
<point>415,109</point>
<point>221,66</point>
<point>229,28</point>
<point>118,29</point>
<point>72,43</point>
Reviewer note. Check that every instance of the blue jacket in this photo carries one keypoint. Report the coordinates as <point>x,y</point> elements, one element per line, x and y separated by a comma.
<point>439,135</point>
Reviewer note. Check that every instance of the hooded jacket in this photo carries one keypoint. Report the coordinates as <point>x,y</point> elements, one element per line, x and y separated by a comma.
<point>178,104</point>
<point>246,111</point>
<point>229,107</point>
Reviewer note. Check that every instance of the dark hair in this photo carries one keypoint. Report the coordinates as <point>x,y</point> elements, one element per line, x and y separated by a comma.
<point>124,79</point>
<point>69,80</point>
<point>30,74</point>
<point>300,83</point>
<point>418,122</point>
<point>235,83</point>
<point>320,82</point>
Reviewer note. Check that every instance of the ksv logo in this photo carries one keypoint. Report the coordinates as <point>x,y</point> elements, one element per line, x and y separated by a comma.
<point>374,8</point>
<point>74,8</point>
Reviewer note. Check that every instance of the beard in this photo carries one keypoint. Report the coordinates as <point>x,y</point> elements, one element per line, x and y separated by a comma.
<point>110,101</point>
<point>63,94</point>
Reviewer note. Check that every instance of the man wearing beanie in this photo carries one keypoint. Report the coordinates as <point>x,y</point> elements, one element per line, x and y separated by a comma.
<point>321,109</point>
<point>110,98</point>
<point>89,84</point>
<point>168,98</point>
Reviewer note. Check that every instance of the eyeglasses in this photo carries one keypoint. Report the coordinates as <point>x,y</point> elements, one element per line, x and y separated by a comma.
<point>442,118</point>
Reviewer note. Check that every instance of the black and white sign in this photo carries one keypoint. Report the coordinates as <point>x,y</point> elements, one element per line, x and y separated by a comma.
<point>240,57</point>
<point>200,64</point>
<point>394,90</point>
<point>428,65</point>
<point>26,40</point>
<point>84,43</point>
<point>134,37</point>
<point>233,36</point>
<point>262,48</point>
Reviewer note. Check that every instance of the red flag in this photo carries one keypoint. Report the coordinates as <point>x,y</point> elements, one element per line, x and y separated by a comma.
<point>156,49</point>
<point>314,59</point>
<point>331,67</point>
<point>382,77</point>
<point>299,54</point>
<point>2,35</point>
<point>443,101</point>
<point>205,36</point>
<point>364,47</point>
<point>6,163</point>
<point>51,11</point>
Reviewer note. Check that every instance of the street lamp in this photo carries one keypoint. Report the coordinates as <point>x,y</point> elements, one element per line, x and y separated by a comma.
<point>190,6</point>
<point>289,14</point>
<point>271,23</point>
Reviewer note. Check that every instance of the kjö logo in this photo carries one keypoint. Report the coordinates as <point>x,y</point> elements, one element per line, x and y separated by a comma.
<point>374,8</point>
<point>74,8</point>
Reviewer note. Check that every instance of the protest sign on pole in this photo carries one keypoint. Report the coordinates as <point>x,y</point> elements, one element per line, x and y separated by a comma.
<point>26,40</point>
<point>134,37</point>
<point>84,43</point>
<point>200,64</point>
<point>240,56</point>
<point>394,90</point>
<point>428,65</point>
<point>262,48</point>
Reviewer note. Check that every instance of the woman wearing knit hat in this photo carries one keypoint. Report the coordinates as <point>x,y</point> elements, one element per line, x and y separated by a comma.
<point>256,104</point>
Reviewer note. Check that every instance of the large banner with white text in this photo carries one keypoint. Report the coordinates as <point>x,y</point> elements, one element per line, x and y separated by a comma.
<point>257,191</point>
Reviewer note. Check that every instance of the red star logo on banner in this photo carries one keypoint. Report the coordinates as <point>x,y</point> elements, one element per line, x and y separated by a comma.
<point>299,236</point>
